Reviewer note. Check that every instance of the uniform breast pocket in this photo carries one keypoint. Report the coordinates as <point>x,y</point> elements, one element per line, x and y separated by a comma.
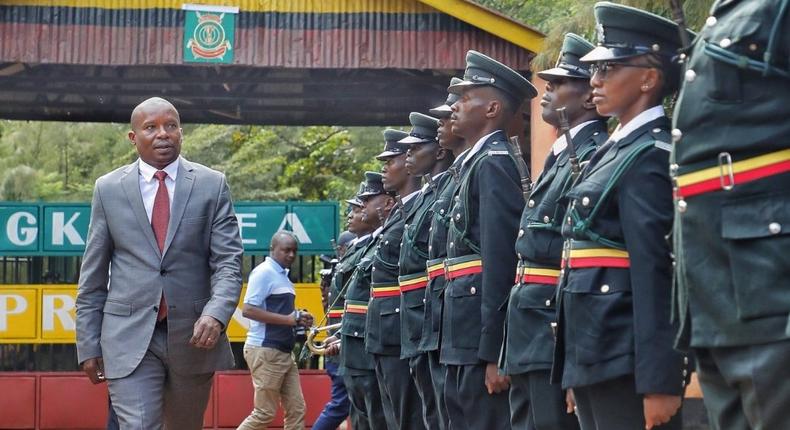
<point>390,326</point>
<point>599,314</point>
<point>532,319</point>
<point>416,312</point>
<point>353,325</point>
<point>463,307</point>
<point>756,231</point>
<point>737,37</point>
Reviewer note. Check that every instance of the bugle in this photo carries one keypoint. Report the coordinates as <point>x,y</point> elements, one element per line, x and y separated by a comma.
<point>319,348</point>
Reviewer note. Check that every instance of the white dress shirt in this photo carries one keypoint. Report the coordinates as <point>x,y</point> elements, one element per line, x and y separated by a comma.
<point>149,185</point>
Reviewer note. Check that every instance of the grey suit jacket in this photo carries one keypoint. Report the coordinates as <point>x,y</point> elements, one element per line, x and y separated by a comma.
<point>199,271</point>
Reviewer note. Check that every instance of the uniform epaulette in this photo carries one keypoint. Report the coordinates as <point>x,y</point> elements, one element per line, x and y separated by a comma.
<point>498,153</point>
<point>663,145</point>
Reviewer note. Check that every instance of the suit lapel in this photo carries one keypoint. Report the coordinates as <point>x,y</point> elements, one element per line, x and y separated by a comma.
<point>130,183</point>
<point>184,182</point>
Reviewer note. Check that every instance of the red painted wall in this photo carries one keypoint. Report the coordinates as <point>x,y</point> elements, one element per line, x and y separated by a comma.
<point>67,400</point>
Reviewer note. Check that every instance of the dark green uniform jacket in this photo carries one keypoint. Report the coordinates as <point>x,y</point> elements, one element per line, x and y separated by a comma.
<point>487,203</point>
<point>529,342</point>
<point>337,289</point>
<point>413,255</point>
<point>732,241</point>
<point>615,321</point>
<point>437,251</point>
<point>354,360</point>
<point>383,320</point>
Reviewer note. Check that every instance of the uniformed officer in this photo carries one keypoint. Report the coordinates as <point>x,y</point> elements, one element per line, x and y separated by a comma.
<point>398,393</point>
<point>342,271</point>
<point>529,343</point>
<point>357,365</point>
<point>338,408</point>
<point>614,345</point>
<point>425,158</point>
<point>481,262</point>
<point>732,212</point>
<point>437,251</point>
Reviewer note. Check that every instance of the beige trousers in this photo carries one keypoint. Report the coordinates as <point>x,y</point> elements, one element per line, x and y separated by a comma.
<point>275,379</point>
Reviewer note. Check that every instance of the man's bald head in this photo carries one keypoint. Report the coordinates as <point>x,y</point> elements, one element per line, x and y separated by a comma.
<point>283,237</point>
<point>150,104</point>
<point>283,248</point>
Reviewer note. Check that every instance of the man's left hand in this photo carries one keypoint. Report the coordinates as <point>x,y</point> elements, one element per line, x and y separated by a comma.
<point>496,383</point>
<point>206,333</point>
<point>660,408</point>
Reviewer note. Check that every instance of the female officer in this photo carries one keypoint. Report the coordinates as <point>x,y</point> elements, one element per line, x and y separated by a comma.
<point>615,338</point>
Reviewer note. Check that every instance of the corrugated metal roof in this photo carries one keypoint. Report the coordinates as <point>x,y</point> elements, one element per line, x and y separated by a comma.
<point>344,62</point>
<point>370,34</point>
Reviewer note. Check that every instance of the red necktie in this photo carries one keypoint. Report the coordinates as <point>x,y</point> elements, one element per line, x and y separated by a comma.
<point>160,217</point>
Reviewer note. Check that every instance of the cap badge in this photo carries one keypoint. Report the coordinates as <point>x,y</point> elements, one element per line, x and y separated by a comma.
<point>600,33</point>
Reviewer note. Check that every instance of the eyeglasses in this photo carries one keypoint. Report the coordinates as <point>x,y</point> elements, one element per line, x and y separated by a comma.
<point>602,68</point>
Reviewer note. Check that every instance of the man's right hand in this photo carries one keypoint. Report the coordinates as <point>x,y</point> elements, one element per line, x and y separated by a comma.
<point>94,368</point>
<point>333,348</point>
<point>495,383</point>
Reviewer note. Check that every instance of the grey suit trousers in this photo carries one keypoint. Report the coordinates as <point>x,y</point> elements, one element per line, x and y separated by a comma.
<point>153,395</point>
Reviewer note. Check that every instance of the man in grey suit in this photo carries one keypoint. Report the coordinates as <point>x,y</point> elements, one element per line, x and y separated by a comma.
<point>160,279</point>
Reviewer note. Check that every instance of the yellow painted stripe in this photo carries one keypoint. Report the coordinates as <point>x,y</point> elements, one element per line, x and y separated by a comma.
<point>459,266</point>
<point>541,272</point>
<point>414,281</point>
<point>491,21</point>
<point>737,167</point>
<point>598,252</point>
<point>293,6</point>
<point>359,307</point>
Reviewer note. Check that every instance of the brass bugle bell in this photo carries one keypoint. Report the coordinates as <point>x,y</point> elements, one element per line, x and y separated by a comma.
<point>319,348</point>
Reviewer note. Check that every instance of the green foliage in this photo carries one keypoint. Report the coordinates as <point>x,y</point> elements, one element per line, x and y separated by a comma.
<point>61,161</point>
<point>557,17</point>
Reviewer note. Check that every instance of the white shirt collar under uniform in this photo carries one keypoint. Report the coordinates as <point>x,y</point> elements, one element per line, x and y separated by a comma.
<point>377,231</point>
<point>409,197</point>
<point>643,118</point>
<point>561,143</point>
<point>356,240</point>
<point>477,147</point>
<point>458,158</point>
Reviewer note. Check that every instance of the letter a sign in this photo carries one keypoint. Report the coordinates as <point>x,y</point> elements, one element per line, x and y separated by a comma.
<point>296,227</point>
<point>209,33</point>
